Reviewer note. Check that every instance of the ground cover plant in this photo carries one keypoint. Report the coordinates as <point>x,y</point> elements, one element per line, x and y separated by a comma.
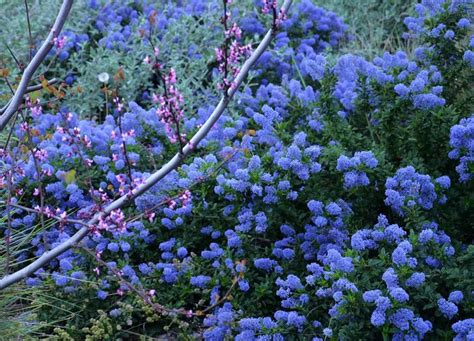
<point>333,199</point>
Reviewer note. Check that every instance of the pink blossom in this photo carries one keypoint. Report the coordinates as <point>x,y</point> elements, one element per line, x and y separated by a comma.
<point>118,103</point>
<point>269,5</point>
<point>172,204</point>
<point>41,154</point>
<point>35,107</point>
<point>60,42</point>
<point>231,53</point>
<point>234,31</point>
<point>24,126</point>
<point>87,141</point>
<point>185,197</point>
<point>150,216</point>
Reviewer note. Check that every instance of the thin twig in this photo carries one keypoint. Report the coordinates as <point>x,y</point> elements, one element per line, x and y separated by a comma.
<point>226,48</point>
<point>9,222</point>
<point>10,133</point>
<point>27,91</point>
<point>30,38</point>
<point>62,219</point>
<point>17,62</point>
<point>125,153</point>
<point>9,85</point>
<point>223,298</point>
<point>31,148</point>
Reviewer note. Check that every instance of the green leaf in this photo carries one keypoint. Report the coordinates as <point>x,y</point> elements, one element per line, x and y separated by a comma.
<point>70,176</point>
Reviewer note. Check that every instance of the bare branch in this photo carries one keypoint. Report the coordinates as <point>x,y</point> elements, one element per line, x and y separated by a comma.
<point>35,63</point>
<point>28,90</point>
<point>155,177</point>
<point>30,38</point>
<point>17,62</point>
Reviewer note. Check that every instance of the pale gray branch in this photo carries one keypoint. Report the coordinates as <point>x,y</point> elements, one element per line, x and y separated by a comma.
<point>35,63</point>
<point>155,177</point>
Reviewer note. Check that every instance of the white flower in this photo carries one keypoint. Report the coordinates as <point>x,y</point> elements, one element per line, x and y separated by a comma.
<point>103,77</point>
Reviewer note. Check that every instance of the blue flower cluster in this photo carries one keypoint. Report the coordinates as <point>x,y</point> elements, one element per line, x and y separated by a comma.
<point>409,188</point>
<point>353,168</point>
<point>462,142</point>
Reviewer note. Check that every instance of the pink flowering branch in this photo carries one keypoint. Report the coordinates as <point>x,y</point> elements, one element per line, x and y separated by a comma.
<point>170,101</point>
<point>171,165</point>
<point>61,217</point>
<point>271,6</point>
<point>35,63</point>
<point>123,136</point>
<point>9,223</point>
<point>231,52</point>
<point>225,65</point>
<point>38,155</point>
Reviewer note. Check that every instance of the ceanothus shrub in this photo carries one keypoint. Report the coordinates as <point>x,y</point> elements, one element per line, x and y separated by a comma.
<point>333,200</point>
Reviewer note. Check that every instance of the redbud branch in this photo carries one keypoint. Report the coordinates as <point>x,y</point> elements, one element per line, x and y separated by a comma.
<point>11,131</point>
<point>24,160</point>
<point>28,90</point>
<point>226,48</point>
<point>124,146</point>
<point>30,38</point>
<point>17,62</point>
<point>40,86</point>
<point>9,86</point>
<point>80,222</point>
<point>35,63</point>
<point>157,71</point>
<point>9,223</point>
<point>32,210</point>
<point>31,148</point>
<point>171,165</point>
<point>173,113</point>
<point>275,17</point>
